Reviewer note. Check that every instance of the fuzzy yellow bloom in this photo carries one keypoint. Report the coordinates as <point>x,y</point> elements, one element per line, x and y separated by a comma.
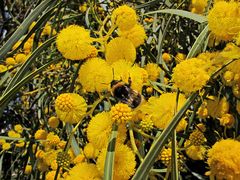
<point>203,111</point>
<point>2,141</point>
<point>124,162</point>
<point>153,71</point>
<point>74,42</point>
<point>53,122</point>
<point>52,139</point>
<point>95,75</point>
<point>138,77</point>
<point>13,134</point>
<point>6,146</point>
<point>70,107</point>
<point>84,171</point>
<point>120,48</point>
<point>90,151</point>
<point>40,134</point>
<point>195,152</point>
<point>224,159</point>
<point>20,58</point>
<point>99,129</point>
<point>124,17</point>
<point>51,174</point>
<point>79,159</point>
<point>166,57</point>
<point>227,120</point>
<point>161,109</point>
<point>63,159</point>
<point>3,68</point>
<point>198,6</point>
<point>10,61</point>
<point>18,128</point>
<point>228,78</point>
<point>217,107</point>
<point>136,35</point>
<point>224,20</point>
<point>28,169</point>
<point>121,113</point>
<point>188,76</point>
<point>165,156</point>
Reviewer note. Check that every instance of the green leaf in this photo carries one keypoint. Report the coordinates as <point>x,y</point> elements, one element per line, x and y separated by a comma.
<point>199,43</point>
<point>145,166</point>
<point>109,161</point>
<point>182,13</point>
<point>22,29</point>
<point>1,165</point>
<point>26,65</point>
<point>9,94</point>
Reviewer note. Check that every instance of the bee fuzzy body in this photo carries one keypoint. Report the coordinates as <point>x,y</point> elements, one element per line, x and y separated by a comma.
<point>122,92</point>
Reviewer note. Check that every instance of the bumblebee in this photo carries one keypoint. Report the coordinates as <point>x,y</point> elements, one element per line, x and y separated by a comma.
<point>122,92</point>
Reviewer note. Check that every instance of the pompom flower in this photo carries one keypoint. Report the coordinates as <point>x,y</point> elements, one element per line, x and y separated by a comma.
<point>217,107</point>
<point>95,75</point>
<point>190,76</point>
<point>84,171</point>
<point>70,107</point>
<point>124,17</point>
<point>121,113</point>
<point>224,159</point>
<point>153,71</point>
<point>120,48</point>
<point>195,152</point>
<point>136,35</point>
<point>74,43</point>
<point>124,162</point>
<point>161,109</point>
<point>224,20</point>
<point>53,122</point>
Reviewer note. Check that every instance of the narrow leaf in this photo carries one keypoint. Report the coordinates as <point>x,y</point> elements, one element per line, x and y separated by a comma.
<point>182,13</point>
<point>109,161</point>
<point>199,43</point>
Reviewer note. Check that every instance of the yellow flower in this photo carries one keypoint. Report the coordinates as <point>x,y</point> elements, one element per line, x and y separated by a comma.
<point>99,129</point>
<point>20,58</point>
<point>153,71</point>
<point>10,61</point>
<point>147,123</point>
<point>52,139</point>
<point>70,107</point>
<point>3,68</point>
<point>6,146</point>
<point>198,6</point>
<point>18,128</point>
<point>136,35</point>
<point>95,75</point>
<point>138,77</point>
<point>124,17</point>
<point>180,57</point>
<point>13,134</point>
<point>195,152</point>
<point>224,20</point>
<point>40,134</point>
<point>166,57</point>
<point>161,109</point>
<point>74,42</point>
<point>2,141</point>
<point>51,174</point>
<point>28,169</point>
<point>227,120</point>
<point>84,171</point>
<point>90,151</point>
<point>189,75</point>
<point>124,162</point>
<point>121,113</point>
<point>197,138</point>
<point>217,107</point>
<point>79,159</point>
<point>228,78</point>
<point>166,156</point>
<point>224,159</point>
<point>53,122</point>
<point>63,159</point>
<point>121,70</point>
<point>120,48</point>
